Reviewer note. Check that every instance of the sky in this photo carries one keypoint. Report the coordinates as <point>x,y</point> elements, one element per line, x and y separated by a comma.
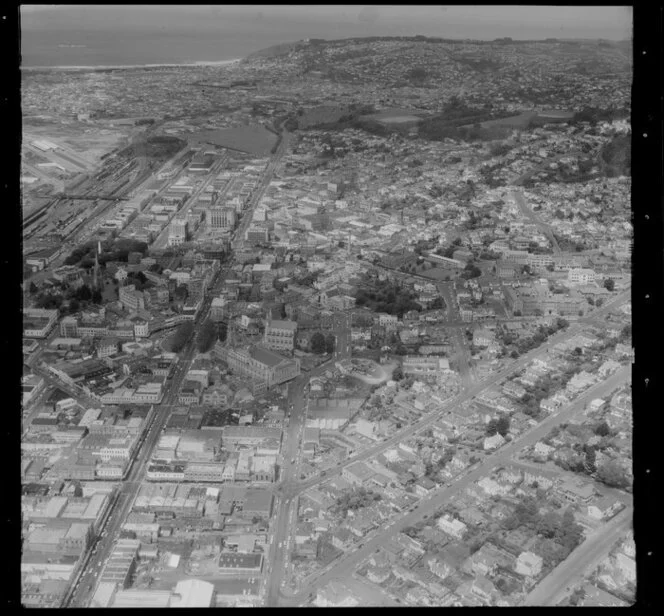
<point>339,21</point>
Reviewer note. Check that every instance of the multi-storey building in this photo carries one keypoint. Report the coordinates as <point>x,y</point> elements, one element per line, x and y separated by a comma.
<point>178,232</point>
<point>37,322</point>
<point>69,327</point>
<point>257,233</point>
<point>218,309</point>
<point>222,217</point>
<point>280,335</point>
<point>417,364</point>
<point>131,299</point>
<point>581,275</point>
<point>260,364</point>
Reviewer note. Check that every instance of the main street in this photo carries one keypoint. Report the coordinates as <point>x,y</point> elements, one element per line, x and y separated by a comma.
<point>162,240</point>
<point>83,588</point>
<point>130,485</point>
<point>286,507</point>
<point>429,505</point>
<point>288,490</point>
<point>259,191</point>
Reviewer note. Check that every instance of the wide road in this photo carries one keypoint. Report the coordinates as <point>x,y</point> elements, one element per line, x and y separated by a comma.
<point>470,393</point>
<point>346,564</point>
<point>286,508</point>
<point>259,191</point>
<point>132,482</point>
<point>587,556</point>
<point>162,238</point>
<point>447,291</point>
<point>519,199</point>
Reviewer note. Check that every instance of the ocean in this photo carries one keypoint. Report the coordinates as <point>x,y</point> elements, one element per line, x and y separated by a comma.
<point>163,36</point>
<point>135,35</point>
<point>78,48</point>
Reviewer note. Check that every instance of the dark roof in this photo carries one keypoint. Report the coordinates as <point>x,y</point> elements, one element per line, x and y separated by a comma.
<point>240,561</point>
<point>266,357</point>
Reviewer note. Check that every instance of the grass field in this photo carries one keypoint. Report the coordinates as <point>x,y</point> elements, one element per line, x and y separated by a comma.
<point>518,121</point>
<point>395,116</point>
<point>166,344</point>
<point>440,273</point>
<point>322,115</point>
<point>254,140</point>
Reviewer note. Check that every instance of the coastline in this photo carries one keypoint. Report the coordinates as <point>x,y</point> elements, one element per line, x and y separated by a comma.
<point>131,66</point>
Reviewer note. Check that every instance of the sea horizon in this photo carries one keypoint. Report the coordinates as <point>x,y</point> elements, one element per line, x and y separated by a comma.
<point>130,66</point>
<point>117,36</point>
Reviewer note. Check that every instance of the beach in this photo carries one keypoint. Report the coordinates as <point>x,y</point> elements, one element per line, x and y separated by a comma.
<point>130,66</point>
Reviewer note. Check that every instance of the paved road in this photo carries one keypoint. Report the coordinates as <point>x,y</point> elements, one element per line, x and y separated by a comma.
<point>132,482</point>
<point>286,508</point>
<point>491,380</point>
<point>162,238</point>
<point>519,199</point>
<point>520,179</point>
<point>597,545</point>
<point>258,193</point>
<point>430,504</point>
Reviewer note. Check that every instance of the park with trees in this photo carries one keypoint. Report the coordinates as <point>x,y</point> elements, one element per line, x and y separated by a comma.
<point>386,296</point>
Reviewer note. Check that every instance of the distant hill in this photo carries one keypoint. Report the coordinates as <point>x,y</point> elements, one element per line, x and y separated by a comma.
<point>275,51</point>
<point>283,49</point>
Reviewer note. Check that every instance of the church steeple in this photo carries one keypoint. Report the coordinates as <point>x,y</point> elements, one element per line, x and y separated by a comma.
<point>95,279</point>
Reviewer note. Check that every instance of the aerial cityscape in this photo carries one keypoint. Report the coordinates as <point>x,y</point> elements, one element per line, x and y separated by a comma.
<point>335,322</point>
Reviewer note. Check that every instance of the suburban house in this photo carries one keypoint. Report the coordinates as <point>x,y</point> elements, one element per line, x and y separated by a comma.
<point>528,564</point>
<point>455,528</point>
<point>604,508</point>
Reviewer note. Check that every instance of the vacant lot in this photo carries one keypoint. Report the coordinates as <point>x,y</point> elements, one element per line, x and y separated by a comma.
<point>323,115</point>
<point>255,140</point>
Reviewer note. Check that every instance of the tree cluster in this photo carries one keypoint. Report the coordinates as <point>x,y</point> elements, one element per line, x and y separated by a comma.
<point>523,345</point>
<point>222,331</point>
<point>308,279</point>
<point>389,297</point>
<point>593,115</point>
<point>613,475</point>
<point>207,336</point>
<point>609,284</point>
<point>471,271</point>
<point>139,280</point>
<point>617,156</point>
<point>118,250</point>
<point>181,336</point>
<point>321,344</point>
<point>500,425</point>
<point>559,528</point>
<point>357,498</point>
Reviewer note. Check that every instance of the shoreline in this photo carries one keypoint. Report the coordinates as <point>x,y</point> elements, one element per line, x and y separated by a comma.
<point>131,66</point>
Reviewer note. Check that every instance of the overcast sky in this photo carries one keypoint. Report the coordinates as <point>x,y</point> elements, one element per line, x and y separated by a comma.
<point>338,21</point>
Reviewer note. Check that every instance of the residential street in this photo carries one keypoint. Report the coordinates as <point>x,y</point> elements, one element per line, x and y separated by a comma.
<point>427,506</point>
<point>552,588</point>
<point>491,380</point>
